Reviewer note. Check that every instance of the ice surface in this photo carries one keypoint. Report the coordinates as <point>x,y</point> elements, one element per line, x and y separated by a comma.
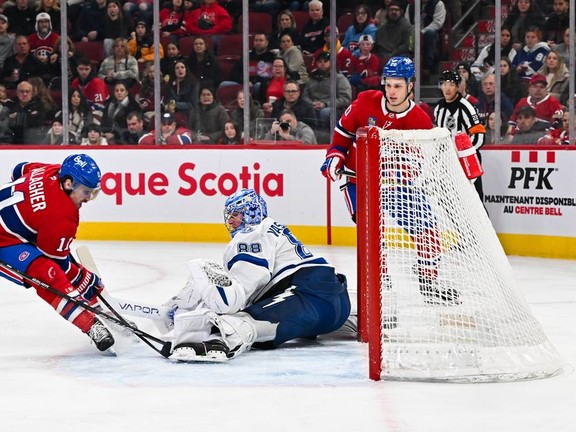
<point>53,379</point>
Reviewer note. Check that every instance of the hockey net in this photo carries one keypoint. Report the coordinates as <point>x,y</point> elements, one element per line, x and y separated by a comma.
<point>438,299</point>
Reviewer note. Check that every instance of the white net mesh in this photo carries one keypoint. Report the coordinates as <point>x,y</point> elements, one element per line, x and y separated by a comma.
<point>451,309</point>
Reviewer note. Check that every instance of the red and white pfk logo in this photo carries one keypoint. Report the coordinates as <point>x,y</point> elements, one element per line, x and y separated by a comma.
<point>529,176</point>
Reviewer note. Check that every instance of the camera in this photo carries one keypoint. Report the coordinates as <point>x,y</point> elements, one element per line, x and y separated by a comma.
<point>284,126</point>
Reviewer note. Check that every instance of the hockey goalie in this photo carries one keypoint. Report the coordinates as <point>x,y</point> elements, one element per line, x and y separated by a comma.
<point>271,289</point>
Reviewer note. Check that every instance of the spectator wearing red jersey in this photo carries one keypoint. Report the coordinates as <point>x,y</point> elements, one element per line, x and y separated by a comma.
<point>209,19</point>
<point>344,58</point>
<point>42,42</point>
<point>558,134</point>
<point>366,73</point>
<point>94,89</point>
<point>544,104</point>
<point>170,133</point>
<point>173,20</point>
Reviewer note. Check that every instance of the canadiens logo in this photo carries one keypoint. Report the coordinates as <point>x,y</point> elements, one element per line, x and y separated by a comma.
<point>371,121</point>
<point>23,256</point>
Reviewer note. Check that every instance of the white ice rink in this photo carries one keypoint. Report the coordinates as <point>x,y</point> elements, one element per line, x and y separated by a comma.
<point>53,379</point>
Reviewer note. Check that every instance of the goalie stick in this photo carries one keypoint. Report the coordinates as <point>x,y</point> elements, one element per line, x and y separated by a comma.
<point>17,274</point>
<point>86,259</point>
<point>128,307</point>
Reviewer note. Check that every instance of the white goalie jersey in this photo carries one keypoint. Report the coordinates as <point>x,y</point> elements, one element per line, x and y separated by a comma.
<point>257,258</point>
<point>260,256</point>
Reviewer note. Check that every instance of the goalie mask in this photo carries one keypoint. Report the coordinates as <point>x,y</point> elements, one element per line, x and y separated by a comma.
<point>242,209</point>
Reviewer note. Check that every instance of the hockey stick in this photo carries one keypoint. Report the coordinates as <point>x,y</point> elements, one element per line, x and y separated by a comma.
<point>86,259</point>
<point>137,309</point>
<point>17,274</point>
<point>347,173</point>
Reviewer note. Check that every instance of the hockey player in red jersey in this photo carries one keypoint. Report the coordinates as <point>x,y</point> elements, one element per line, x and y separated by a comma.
<point>39,217</point>
<point>393,109</point>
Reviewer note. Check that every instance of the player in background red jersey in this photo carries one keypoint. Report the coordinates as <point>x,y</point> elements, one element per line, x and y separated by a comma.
<point>393,109</point>
<point>39,217</point>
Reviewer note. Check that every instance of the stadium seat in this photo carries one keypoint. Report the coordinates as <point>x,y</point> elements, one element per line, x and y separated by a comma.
<point>231,45</point>
<point>93,51</point>
<point>344,21</point>
<point>186,45</point>
<point>56,96</point>
<point>227,95</point>
<point>226,64</point>
<point>258,22</point>
<point>301,18</point>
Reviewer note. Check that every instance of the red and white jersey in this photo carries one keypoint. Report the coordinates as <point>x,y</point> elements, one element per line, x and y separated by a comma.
<point>95,91</point>
<point>345,61</point>
<point>180,136</point>
<point>369,109</point>
<point>544,109</point>
<point>35,209</point>
<point>43,47</point>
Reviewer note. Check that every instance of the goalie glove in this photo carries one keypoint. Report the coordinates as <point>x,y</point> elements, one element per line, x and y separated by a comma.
<point>209,286</point>
<point>86,285</point>
<point>332,166</point>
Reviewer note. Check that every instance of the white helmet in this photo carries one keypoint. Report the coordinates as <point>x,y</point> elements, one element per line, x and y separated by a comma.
<point>43,16</point>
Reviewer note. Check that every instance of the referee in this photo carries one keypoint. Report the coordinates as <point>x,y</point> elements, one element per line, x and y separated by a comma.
<point>456,114</point>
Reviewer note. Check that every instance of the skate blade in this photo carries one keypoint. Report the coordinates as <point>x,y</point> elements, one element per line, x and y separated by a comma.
<point>188,355</point>
<point>110,352</point>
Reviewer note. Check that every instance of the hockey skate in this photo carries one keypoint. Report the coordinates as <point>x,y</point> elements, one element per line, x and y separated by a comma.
<point>214,350</point>
<point>437,295</point>
<point>100,335</point>
<point>349,330</point>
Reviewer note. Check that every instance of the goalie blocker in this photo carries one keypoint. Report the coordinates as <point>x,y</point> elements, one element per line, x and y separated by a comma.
<point>274,290</point>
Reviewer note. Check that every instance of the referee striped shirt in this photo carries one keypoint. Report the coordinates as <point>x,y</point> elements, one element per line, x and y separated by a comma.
<point>460,116</point>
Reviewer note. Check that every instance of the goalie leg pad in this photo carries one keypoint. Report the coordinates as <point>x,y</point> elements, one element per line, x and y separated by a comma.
<point>237,331</point>
<point>236,334</point>
<point>192,326</point>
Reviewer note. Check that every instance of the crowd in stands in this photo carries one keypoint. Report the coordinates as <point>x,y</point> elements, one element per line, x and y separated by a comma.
<point>111,69</point>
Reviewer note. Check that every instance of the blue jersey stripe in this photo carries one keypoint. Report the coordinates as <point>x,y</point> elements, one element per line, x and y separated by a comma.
<point>12,221</point>
<point>315,261</point>
<point>13,277</point>
<point>18,170</point>
<point>261,262</point>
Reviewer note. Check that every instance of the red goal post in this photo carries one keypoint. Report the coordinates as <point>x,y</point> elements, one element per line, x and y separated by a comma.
<point>437,298</point>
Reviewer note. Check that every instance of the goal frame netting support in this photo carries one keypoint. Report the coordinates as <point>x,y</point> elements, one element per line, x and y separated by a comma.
<point>474,341</point>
